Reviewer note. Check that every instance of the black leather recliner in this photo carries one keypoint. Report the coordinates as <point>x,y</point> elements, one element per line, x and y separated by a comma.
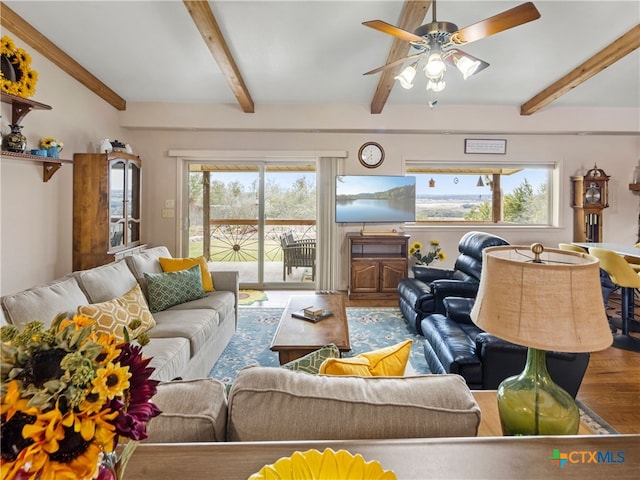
<point>454,344</point>
<point>423,295</point>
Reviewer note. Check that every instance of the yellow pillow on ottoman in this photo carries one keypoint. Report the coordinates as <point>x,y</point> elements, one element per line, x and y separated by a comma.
<point>177,264</point>
<point>386,362</point>
<point>112,316</point>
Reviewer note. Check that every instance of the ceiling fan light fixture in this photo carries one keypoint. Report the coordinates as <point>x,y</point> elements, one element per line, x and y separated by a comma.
<point>467,64</point>
<point>436,85</point>
<point>407,75</point>
<point>435,67</point>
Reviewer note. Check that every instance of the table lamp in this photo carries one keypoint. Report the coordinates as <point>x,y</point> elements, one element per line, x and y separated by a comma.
<point>544,299</point>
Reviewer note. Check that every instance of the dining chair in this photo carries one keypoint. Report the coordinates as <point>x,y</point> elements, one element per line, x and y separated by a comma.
<point>633,261</point>
<point>572,248</point>
<point>628,280</point>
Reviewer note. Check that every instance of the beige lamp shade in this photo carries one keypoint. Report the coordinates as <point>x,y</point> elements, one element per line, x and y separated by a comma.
<point>553,305</point>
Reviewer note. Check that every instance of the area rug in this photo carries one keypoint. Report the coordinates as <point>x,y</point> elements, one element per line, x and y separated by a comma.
<point>369,329</point>
<point>248,297</point>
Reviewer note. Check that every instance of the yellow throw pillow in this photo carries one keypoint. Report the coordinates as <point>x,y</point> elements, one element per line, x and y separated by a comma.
<point>113,315</point>
<point>354,366</point>
<point>177,264</point>
<point>386,362</point>
<point>390,361</point>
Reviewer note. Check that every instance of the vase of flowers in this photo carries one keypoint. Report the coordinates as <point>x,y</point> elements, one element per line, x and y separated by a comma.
<point>52,146</point>
<point>435,253</point>
<point>68,395</point>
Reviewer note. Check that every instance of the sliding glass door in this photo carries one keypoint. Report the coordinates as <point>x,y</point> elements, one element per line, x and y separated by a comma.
<point>257,218</point>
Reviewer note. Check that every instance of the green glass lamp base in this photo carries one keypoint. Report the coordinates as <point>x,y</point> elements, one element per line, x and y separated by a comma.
<point>532,404</point>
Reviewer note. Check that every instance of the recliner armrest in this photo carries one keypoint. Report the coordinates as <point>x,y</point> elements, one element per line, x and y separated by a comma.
<point>429,274</point>
<point>442,289</point>
<point>458,309</point>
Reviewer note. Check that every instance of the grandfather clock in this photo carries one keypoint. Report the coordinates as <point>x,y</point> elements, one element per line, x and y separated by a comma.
<point>590,198</point>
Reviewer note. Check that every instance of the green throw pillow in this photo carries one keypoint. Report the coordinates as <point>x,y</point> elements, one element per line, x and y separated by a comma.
<point>311,362</point>
<point>171,288</point>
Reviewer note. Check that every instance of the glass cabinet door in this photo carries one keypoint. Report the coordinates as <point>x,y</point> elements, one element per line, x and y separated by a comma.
<point>133,202</point>
<point>117,201</point>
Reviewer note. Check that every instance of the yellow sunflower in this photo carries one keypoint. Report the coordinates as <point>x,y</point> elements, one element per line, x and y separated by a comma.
<point>111,381</point>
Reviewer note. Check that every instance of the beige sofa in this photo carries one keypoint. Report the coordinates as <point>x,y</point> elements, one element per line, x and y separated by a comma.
<point>276,404</point>
<point>187,339</point>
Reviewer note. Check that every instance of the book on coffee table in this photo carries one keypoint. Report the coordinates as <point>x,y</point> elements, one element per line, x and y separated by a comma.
<point>301,314</point>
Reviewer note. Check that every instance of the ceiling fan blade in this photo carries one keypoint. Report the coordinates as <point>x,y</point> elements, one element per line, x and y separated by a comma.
<point>389,29</point>
<point>392,64</point>
<point>519,15</point>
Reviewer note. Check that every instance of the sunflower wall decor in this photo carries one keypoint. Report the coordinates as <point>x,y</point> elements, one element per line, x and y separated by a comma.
<point>17,76</point>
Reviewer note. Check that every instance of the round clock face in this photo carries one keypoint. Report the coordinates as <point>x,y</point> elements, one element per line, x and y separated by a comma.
<point>371,155</point>
<point>592,194</point>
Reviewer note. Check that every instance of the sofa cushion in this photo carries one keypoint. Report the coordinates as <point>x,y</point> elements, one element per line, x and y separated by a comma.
<point>385,362</point>
<point>192,411</point>
<point>106,282</point>
<point>296,406</point>
<point>197,326</point>
<point>146,262</point>
<point>176,264</point>
<point>169,357</point>
<point>222,302</point>
<point>171,288</point>
<point>44,302</point>
<point>114,315</point>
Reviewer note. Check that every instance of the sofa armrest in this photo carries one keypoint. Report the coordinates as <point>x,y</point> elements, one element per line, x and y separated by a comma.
<point>227,281</point>
<point>429,274</point>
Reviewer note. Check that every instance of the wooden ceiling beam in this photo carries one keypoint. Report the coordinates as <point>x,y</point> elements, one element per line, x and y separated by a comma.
<point>621,47</point>
<point>411,17</point>
<point>41,44</point>
<point>207,25</point>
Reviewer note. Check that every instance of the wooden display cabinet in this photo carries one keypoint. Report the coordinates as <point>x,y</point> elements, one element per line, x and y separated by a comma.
<point>106,207</point>
<point>377,263</point>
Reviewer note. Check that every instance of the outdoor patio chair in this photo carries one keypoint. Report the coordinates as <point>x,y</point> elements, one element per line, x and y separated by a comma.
<point>297,253</point>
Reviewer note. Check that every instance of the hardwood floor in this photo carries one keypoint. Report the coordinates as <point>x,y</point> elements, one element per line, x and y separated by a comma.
<point>611,386</point>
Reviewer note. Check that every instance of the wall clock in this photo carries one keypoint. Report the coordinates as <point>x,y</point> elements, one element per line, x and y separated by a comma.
<point>371,154</point>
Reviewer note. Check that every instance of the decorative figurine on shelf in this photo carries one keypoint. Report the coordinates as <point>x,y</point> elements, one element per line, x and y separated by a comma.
<point>52,146</point>
<point>105,146</point>
<point>118,146</point>
<point>14,141</point>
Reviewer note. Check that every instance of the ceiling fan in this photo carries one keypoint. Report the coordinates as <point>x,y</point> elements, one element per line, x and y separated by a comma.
<point>436,41</point>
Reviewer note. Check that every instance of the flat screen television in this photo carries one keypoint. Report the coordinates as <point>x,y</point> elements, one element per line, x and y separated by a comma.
<point>375,199</point>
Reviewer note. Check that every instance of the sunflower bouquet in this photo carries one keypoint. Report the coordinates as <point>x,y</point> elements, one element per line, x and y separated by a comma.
<point>49,142</point>
<point>68,394</point>
<point>436,252</point>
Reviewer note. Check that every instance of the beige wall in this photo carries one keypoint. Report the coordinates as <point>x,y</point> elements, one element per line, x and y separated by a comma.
<point>36,217</point>
<point>36,222</point>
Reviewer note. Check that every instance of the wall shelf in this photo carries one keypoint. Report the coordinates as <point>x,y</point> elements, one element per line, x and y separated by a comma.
<point>49,165</point>
<point>19,109</point>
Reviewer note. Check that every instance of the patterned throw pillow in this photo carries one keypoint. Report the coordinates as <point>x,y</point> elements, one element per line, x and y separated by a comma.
<point>386,362</point>
<point>176,264</point>
<point>311,362</point>
<point>113,315</point>
<point>167,289</point>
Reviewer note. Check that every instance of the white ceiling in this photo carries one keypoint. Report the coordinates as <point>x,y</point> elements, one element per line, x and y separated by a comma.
<point>315,52</point>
